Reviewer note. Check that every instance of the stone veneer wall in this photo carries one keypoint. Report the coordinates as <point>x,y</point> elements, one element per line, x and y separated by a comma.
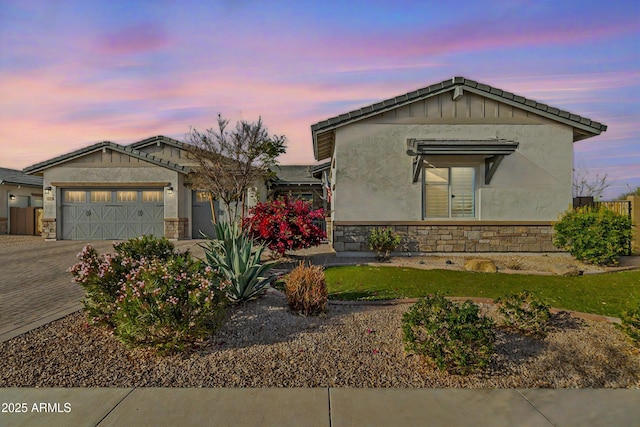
<point>3,226</point>
<point>452,238</point>
<point>49,228</point>
<point>176,228</point>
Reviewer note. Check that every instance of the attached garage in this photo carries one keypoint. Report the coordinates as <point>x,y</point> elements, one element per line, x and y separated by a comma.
<point>108,191</point>
<point>97,214</point>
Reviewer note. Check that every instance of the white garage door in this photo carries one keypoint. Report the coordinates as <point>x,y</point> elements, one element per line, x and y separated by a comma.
<point>100,214</point>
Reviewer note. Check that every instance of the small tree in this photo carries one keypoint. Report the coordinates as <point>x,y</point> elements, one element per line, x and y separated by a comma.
<point>285,224</point>
<point>230,162</point>
<point>585,185</point>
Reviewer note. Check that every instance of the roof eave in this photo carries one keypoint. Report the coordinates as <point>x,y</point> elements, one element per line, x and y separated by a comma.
<point>39,167</point>
<point>595,129</point>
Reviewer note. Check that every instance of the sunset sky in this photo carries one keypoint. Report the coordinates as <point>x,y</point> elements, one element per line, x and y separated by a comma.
<point>73,73</point>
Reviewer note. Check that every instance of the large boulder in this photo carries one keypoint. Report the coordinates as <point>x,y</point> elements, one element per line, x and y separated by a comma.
<point>565,270</point>
<point>482,265</point>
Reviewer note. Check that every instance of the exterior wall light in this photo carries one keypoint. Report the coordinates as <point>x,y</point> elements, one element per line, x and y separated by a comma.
<point>169,190</point>
<point>47,190</point>
<point>12,197</point>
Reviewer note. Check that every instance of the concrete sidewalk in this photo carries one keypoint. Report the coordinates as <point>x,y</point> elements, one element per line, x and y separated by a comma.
<point>335,407</point>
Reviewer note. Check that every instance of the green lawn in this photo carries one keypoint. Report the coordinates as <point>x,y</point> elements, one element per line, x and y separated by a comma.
<point>608,294</point>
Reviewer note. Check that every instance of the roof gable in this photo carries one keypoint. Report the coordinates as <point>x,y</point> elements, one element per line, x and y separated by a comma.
<point>155,140</point>
<point>39,167</point>
<point>583,127</point>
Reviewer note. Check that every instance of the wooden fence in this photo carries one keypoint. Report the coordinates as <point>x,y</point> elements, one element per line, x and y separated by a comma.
<point>621,207</point>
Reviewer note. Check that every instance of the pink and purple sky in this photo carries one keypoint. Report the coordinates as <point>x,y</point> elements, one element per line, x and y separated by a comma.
<point>75,72</point>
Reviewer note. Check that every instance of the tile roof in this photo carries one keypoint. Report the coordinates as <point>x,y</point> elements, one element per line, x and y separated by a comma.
<point>447,85</point>
<point>38,167</point>
<point>295,174</point>
<point>155,139</point>
<point>450,84</point>
<point>16,177</point>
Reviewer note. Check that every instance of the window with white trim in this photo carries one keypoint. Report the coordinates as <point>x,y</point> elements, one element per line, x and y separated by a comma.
<point>449,192</point>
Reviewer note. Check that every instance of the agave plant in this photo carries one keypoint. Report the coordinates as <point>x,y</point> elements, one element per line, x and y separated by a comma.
<point>232,255</point>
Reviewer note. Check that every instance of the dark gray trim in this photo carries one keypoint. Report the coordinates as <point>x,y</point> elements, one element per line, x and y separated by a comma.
<point>155,139</point>
<point>490,166</point>
<point>491,147</point>
<point>39,167</point>
<point>574,120</point>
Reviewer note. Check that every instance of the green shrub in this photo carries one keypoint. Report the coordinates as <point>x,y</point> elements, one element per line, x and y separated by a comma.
<point>454,336</point>
<point>145,247</point>
<point>148,293</point>
<point>631,324</point>
<point>382,241</point>
<point>232,256</point>
<point>168,303</point>
<point>102,276</point>
<point>593,235</point>
<point>525,313</point>
<point>306,290</point>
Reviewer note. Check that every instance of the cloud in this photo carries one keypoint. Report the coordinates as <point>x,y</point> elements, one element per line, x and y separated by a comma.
<point>134,39</point>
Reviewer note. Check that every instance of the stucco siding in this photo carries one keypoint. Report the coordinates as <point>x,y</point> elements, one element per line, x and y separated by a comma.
<point>374,174</point>
<point>108,177</point>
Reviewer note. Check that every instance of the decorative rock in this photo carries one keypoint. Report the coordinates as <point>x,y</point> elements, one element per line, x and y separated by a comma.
<point>482,265</point>
<point>565,270</point>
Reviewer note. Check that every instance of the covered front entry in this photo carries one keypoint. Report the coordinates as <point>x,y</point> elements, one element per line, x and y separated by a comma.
<point>99,214</point>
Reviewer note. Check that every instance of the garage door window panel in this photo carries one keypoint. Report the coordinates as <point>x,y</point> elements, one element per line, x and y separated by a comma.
<point>126,196</point>
<point>100,196</point>
<point>152,196</point>
<point>75,196</point>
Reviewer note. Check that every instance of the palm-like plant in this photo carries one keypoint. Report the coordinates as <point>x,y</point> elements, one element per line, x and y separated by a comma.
<point>232,255</point>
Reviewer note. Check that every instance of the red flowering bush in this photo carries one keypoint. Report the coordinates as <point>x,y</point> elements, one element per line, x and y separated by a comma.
<point>285,224</point>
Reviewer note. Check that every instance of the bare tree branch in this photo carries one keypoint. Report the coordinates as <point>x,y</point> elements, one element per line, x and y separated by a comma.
<point>585,185</point>
<point>229,162</point>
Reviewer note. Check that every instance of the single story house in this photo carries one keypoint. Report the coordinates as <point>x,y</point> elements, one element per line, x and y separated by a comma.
<point>458,166</point>
<point>307,182</point>
<point>20,199</point>
<point>112,191</point>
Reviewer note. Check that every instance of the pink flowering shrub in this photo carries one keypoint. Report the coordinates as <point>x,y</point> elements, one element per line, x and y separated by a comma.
<point>285,224</point>
<point>148,293</point>
<point>101,277</point>
<point>168,303</point>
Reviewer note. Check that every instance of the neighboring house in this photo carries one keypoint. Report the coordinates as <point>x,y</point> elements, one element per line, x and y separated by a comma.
<point>458,166</point>
<point>301,181</point>
<point>20,196</point>
<point>111,191</point>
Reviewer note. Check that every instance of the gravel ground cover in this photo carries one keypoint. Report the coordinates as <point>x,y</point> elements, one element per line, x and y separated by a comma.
<point>263,345</point>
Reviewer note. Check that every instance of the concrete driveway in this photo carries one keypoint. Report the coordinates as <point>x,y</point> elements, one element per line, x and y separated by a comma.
<point>35,287</point>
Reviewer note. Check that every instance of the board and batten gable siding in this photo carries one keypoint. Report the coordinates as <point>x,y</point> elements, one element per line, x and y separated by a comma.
<point>168,152</point>
<point>106,158</point>
<point>373,168</point>
<point>468,108</point>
